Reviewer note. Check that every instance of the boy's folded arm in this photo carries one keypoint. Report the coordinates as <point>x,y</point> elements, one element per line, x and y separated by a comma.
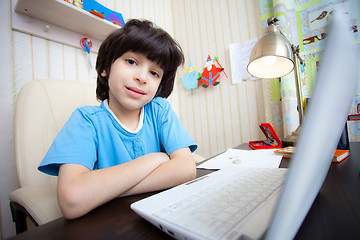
<point>81,190</point>
<point>180,169</point>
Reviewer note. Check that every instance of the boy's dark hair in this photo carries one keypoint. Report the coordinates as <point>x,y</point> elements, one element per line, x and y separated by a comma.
<point>145,38</point>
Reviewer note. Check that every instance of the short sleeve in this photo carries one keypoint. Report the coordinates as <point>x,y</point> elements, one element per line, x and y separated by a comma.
<point>75,143</point>
<point>173,135</point>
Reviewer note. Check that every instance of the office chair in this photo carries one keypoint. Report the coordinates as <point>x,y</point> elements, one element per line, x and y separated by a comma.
<point>42,108</point>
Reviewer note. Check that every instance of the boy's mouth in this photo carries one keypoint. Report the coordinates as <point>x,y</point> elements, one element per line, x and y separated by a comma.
<point>135,90</point>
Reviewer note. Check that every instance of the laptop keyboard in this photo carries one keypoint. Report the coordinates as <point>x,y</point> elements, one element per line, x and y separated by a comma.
<point>218,208</point>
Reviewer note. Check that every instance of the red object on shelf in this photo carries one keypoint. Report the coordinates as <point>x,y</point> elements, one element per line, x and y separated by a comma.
<point>355,117</point>
<point>272,139</point>
<point>96,13</point>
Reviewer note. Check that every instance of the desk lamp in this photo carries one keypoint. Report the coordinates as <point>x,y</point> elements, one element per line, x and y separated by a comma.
<point>273,56</point>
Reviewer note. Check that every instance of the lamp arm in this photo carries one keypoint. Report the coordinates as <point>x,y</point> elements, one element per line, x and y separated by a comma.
<point>295,50</point>
<point>272,20</point>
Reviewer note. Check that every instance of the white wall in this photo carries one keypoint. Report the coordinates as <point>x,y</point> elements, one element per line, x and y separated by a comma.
<point>217,117</point>
<point>7,170</point>
<point>226,115</point>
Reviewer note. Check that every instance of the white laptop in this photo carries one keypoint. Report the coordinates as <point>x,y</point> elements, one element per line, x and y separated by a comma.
<point>268,203</point>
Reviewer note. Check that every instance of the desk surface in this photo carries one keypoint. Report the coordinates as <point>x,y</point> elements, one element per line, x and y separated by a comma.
<point>335,213</point>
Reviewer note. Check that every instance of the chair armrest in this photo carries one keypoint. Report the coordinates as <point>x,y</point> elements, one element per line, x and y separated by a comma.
<point>40,202</point>
<point>198,158</point>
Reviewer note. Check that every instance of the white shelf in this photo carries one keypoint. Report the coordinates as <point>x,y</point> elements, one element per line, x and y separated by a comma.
<point>59,21</point>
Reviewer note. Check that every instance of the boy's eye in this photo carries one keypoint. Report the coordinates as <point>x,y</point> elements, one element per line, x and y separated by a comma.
<point>155,74</point>
<point>131,61</point>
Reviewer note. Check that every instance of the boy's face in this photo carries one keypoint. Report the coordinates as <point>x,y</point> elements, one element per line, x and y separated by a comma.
<point>133,81</point>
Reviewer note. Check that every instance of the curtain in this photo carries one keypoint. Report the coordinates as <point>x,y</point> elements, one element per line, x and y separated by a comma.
<point>303,22</point>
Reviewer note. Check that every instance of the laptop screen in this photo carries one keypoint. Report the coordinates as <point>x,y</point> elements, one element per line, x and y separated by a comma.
<point>333,93</point>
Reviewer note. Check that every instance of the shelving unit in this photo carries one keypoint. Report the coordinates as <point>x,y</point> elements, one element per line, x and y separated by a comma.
<point>59,21</point>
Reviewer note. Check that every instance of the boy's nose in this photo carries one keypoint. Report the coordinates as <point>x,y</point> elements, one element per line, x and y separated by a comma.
<point>141,76</point>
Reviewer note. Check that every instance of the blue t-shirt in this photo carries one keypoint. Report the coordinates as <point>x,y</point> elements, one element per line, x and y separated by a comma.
<point>93,138</point>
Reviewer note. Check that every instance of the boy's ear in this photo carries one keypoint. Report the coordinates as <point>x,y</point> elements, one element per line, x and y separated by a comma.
<point>103,73</point>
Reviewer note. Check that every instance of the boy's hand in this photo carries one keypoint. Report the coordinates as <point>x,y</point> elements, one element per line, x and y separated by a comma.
<point>81,190</point>
<point>160,156</point>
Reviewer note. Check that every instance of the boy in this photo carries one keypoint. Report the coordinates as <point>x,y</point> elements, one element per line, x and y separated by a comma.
<point>133,142</point>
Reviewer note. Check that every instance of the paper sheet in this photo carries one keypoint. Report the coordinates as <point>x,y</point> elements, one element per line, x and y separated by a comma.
<point>239,58</point>
<point>244,158</point>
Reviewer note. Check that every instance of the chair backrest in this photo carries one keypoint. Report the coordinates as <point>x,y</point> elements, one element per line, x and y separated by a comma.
<point>42,108</point>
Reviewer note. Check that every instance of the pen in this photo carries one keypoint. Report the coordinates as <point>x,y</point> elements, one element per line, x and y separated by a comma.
<point>269,142</point>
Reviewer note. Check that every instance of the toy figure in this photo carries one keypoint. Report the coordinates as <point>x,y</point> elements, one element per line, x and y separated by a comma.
<point>211,73</point>
<point>190,80</point>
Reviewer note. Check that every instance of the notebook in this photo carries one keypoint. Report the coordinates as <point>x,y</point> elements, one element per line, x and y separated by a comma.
<point>268,203</point>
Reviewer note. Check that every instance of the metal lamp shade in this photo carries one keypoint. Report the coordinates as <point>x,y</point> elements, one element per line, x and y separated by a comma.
<point>273,43</point>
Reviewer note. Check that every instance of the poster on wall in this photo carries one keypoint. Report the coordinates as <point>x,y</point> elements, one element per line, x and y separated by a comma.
<point>239,58</point>
<point>312,19</point>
